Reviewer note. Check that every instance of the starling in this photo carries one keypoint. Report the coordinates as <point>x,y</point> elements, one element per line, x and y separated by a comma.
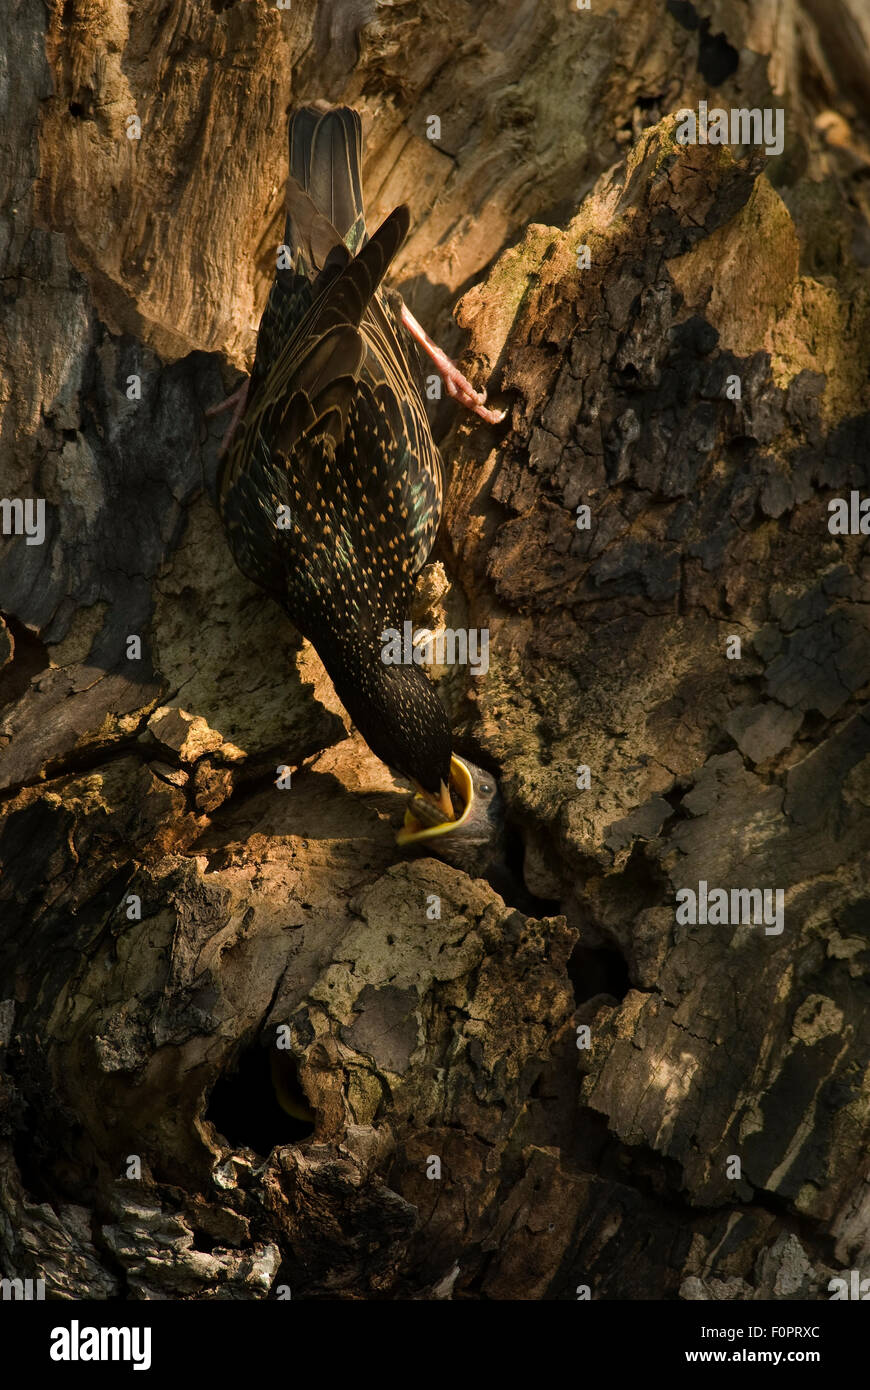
<point>331,490</point>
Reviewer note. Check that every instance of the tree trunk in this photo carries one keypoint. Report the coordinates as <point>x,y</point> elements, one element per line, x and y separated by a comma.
<point>534,1072</point>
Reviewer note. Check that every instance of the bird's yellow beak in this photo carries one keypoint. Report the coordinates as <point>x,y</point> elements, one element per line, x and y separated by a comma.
<point>414,830</point>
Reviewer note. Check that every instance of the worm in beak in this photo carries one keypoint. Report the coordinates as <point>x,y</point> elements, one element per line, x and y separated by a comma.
<point>419,819</point>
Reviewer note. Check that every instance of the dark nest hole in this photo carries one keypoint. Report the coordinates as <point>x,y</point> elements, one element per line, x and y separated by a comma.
<point>506,877</point>
<point>244,1108</point>
<point>596,970</point>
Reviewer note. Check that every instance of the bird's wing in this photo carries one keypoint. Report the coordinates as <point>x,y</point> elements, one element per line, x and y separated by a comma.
<point>324,227</point>
<point>338,434</point>
<point>316,254</point>
<point>340,297</point>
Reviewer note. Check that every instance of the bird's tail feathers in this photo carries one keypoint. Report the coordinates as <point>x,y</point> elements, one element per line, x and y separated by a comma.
<point>325,168</point>
<point>311,235</point>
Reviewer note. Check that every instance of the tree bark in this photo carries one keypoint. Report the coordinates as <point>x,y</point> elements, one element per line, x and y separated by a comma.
<point>701,646</point>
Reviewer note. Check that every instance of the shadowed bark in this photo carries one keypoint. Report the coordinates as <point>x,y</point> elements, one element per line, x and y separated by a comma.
<point>698,639</point>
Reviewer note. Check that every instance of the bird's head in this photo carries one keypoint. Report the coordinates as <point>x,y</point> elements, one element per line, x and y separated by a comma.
<point>398,713</point>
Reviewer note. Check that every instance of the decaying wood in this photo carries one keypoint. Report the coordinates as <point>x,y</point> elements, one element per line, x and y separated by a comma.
<point>463,1144</point>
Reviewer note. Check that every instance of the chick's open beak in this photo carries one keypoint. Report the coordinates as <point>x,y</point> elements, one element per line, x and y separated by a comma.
<point>417,827</point>
<point>442,799</point>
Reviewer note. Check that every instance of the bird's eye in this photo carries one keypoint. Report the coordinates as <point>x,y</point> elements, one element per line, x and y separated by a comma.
<point>485,787</point>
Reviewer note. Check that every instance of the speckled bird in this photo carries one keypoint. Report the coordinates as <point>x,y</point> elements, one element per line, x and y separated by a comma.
<point>331,491</point>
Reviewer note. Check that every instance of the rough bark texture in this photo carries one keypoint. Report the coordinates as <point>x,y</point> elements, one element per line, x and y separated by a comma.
<point>455,1039</point>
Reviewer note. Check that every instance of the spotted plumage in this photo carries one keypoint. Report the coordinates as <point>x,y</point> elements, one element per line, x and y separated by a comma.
<point>331,492</point>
